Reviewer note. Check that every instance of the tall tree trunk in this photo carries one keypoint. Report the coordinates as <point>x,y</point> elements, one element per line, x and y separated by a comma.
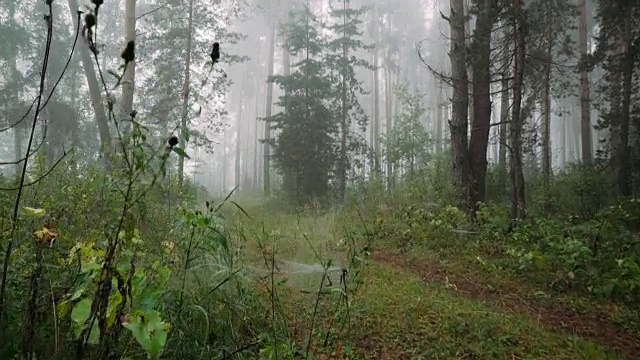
<point>129,76</point>
<point>458,126</point>
<point>585,104</point>
<point>440,108</point>
<point>389,120</point>
<point>389,105</point>
<point>563,151</point>
<point>481,122</point>
<point>546,119</point>
<point>504,119</point>
<point>225,162</point>
<point>624,155</point>
<point>14,98</point>
<point>288,177</point>
<point>504,112</point>
<point>344,131</point>
<point>518,206</point>
<point>468,39</point>
<point>238,160</point>
<point>95,93</point>
<point>375,133</point>
<point>268,113</point>
<point>186,89</point>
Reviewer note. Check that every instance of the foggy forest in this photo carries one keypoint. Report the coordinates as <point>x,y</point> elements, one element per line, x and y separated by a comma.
<point>319,179</point>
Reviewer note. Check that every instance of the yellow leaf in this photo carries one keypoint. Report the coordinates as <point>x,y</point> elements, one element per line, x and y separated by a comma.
<point>29,211</point>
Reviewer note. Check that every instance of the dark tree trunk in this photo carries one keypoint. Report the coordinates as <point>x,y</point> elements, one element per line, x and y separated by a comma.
<point>460,101</point>
<point>518,206</point>
<point>481,122</point>
<point>585,104</point>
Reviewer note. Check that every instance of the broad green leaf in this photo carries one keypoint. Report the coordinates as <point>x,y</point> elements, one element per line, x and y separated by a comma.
<point>94,335</point>
<point>149,331</point>
<point>81,311</point>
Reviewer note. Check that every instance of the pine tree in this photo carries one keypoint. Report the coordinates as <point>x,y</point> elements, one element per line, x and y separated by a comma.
<point>304,149</point>
<point>342,63</point>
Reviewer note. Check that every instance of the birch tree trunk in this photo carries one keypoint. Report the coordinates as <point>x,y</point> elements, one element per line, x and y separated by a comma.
<point>186,87</point>
<point>268,113</point>
<point>95,92</point>
<point>585,104</point>
<point>129,76</point>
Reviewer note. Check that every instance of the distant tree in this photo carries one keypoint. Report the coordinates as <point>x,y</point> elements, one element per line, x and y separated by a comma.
<point>409,143</point>
<point>342,61</point>
<point>618,50</point>
<point>305,149</point>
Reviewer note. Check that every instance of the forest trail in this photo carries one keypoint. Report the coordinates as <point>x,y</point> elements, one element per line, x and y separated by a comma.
<point>556,317</point>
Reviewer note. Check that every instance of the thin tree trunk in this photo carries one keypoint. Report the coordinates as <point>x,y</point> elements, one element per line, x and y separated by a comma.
<point>563,151</point>
<point>585,104</point>
<point>288,176</point>
<point>342,173</point>
<point>389,114</point>
<point>95,93</point>
<point>440,108</point>
<point>504,119</point>
<point>186,89</point>
<point>518,206</point>
<point>624,155</point>
<point>460,101</point>
<point>269,108</point>
<point>225,162</point>
<point>238,161</point>
<point>504,113</point>
<point>546,119</point>
<point>376,96</point>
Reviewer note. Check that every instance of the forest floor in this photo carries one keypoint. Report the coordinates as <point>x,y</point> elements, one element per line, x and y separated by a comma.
<point>441,304</point>
<point>432,307</point>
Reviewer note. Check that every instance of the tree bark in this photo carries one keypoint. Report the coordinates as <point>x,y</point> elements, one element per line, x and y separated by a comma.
<point>481,122</point>
<point>585,104</point>
<point>129,76</point>
<point>504,112</point>
<point>440,108</point>
<point>186,88</point>
<point>344,131</point>
<point>624,153</point>
<point>225,162</point>
<point>268,113</point>
<point>546,119</point>
<point>518,206</point>
<point>95,93</point>
<point>460,101</point>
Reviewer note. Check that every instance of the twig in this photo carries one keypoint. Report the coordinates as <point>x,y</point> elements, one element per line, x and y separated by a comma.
<point>16,207</point>
<point>64,154</point>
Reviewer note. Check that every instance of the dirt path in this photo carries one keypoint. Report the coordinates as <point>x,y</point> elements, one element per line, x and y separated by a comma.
<point>599,329</point>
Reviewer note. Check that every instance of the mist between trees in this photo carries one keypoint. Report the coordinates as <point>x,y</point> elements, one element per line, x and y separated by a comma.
<point>241,179</point>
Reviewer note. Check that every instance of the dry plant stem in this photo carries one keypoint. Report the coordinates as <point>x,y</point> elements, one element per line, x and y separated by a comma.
<point>273,303</point>
<point>16,206</point>
<point>315,312</point>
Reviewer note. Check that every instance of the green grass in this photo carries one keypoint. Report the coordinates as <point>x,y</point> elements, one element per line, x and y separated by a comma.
<point>401,317</point>
<point>398,314</point>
